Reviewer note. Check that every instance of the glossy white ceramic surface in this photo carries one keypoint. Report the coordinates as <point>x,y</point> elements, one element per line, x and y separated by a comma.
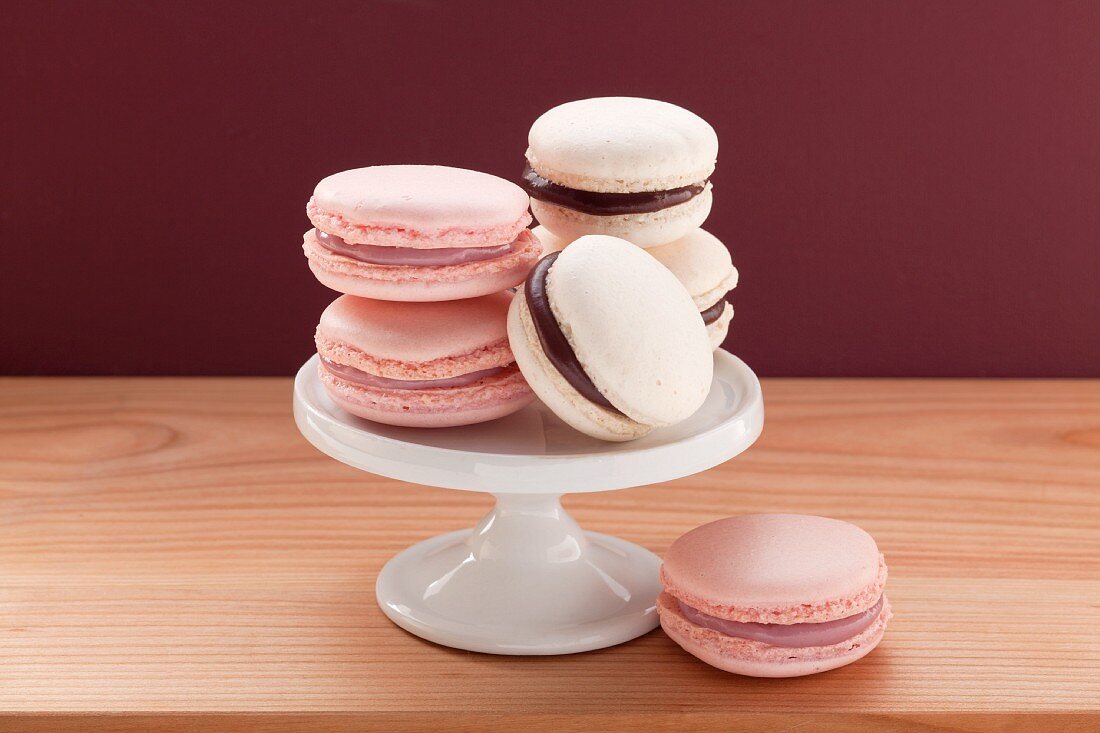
<point>532,451</point>
<point>527,579</point>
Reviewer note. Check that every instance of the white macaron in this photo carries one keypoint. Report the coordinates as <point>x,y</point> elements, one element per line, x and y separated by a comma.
<point>550,242</point>
<point>623,166</point>
<point>703,265</point>
<point>610,363</point>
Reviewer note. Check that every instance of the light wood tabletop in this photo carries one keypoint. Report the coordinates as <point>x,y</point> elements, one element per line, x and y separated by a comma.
<point>174,555</point>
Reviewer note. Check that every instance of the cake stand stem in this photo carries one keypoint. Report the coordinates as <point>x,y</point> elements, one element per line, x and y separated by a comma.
<point>527,528</point>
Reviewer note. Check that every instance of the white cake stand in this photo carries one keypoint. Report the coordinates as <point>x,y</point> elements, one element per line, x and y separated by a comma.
<point>527,579</point>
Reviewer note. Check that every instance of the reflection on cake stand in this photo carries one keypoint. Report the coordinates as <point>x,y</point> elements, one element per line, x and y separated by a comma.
<point>527,579</point>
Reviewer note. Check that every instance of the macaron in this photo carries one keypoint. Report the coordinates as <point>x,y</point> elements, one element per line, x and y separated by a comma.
<point>550,242</point>
<point>633,168</point>
<point>427,365</point>
<point>419,233</point>
<point>609,340</point>
<point>775,595</point>
<point>703,265</point>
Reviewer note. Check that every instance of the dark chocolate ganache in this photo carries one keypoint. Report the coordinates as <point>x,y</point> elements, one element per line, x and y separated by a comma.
<point>553,341</point>
<point>712,314</point>
<point>606,204</point>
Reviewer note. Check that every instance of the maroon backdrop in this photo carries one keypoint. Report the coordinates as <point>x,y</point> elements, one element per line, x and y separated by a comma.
<point>908,188</point>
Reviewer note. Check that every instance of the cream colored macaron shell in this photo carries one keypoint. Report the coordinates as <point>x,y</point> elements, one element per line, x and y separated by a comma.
<point>550,242</point>
<point>621,166</point>
<point>622,145</point>
<point>703,265</point>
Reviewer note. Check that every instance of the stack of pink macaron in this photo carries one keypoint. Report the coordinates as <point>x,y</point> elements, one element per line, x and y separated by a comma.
<point>425,257</point>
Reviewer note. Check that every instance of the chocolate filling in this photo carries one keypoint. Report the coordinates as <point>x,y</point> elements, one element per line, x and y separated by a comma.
<point>554,344</point>
<point>712,314</point>
<point>606,204</point>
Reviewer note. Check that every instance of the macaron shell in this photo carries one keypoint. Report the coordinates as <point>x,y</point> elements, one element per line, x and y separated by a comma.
<point>550,242</point>
<point>489,399</point>
<point>555,391</point>
<point>419,206</point>
<point>708,298</point>
<point>702,263</point>
<point>421,284</point>
<point>622,144</point>
<point>421,333</point>
<point>634,329</point>
<point>650,229</point>
<point>775,568</point>
<point>754,659</point>
<point>718,330</point>
<point>494,355</point>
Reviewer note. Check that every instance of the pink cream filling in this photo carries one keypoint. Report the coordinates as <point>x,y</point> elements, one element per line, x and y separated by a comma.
<point>788,635</point>
<point>407,256</point>
<point>363,379</point>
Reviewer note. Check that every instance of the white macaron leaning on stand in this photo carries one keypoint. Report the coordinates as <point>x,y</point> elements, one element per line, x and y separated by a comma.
<point>703,265</point>
<point>699,261</point>
<point>610,340</point>
<point>627,167</point>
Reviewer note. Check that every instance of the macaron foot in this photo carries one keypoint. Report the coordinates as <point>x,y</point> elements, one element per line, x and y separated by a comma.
<point>490,399</point>
<point>422,283</point>
<point>754,659</point>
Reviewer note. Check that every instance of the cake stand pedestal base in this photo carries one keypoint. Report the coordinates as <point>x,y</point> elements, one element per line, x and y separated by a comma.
<point>526,580</point>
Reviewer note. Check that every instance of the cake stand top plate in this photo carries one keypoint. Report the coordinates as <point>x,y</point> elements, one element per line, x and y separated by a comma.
<point>532,451</point>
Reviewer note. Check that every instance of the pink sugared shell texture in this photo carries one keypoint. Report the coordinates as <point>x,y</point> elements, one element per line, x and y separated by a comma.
<point>422,341</point>
<point>417,332</point>
<point>776,568</point>
<point>419,206</point>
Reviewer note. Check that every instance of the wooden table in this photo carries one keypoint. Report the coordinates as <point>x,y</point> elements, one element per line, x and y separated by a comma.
<point>172,549</point>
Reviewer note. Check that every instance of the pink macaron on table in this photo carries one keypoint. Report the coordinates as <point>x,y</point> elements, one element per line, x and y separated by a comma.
<point>527,579</point>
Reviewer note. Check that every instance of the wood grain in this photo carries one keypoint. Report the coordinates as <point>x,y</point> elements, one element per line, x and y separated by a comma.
<point>173,548</point>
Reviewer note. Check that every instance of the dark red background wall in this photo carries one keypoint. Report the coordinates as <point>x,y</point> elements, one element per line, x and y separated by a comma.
<point>908,188</point>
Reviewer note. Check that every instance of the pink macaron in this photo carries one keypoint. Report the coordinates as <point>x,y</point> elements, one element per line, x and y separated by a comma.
<point>428,365</point>
<point>419,233</point>
<point>775,595</point>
